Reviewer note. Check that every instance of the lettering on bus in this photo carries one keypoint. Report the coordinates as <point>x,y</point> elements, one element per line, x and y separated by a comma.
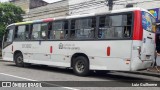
<point>68,46</point>
<point>26,45</point>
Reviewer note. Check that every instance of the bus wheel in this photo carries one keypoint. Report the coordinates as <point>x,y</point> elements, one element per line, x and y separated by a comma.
<point>81,66</point>
<point>19,60</point>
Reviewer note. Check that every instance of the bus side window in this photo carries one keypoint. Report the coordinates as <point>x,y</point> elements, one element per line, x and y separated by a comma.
<point>27,32</point>
<point>57,32</point>
<point>49,30</point>
<point>66,29</point>
<point>72,31</point>
<point>128,26</point>
<point>8,35</point>
<point>44,29</point>
<point>36,32</point>
<point>102,28</point>
<point>20,33</point>
<point>85,28</point>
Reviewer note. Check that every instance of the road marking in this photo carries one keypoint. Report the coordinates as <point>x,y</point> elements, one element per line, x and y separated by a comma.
<point>17,77</point>
<point>38,81</point>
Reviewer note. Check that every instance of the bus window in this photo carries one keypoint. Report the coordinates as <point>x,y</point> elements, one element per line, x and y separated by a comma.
<point>58,30</point>
<point>72,31</point>
<point>44,29</point>
<point>36,28</point>
<point>127,26</point>
<point>66,29</point>
<point>27,32</point>
<point>84,28</point>
<point>20,33</point>
<point>49,30</point>
<point>8,37</point>
<point>115,26</point>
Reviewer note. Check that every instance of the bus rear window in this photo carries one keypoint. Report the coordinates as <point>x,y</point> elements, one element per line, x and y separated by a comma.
<point>148,22</point>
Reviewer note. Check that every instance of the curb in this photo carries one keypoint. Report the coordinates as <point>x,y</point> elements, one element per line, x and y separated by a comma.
<point>145,72</point>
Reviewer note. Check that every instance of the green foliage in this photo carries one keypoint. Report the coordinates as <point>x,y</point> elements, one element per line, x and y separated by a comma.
<point>9,13</point>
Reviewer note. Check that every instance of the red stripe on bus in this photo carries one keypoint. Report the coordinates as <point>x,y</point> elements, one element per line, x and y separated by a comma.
<point>108,51</point>
<point>48,20</point>
<point>51,49</point>
<point>138,30</point>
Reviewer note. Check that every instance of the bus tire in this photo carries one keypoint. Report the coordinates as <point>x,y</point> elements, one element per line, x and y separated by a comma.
<point>19,60</point>
<point>81,66</point>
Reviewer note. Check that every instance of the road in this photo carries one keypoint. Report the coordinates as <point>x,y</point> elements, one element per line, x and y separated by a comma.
<point>9,72</point>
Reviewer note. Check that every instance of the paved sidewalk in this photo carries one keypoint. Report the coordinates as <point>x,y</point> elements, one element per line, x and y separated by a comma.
<point>155,69</point>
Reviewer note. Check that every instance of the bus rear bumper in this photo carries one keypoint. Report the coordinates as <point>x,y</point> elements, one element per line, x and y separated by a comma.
<point>141,64</point>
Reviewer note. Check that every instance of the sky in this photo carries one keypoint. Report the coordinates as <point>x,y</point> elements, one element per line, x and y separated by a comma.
<point>49,1</point>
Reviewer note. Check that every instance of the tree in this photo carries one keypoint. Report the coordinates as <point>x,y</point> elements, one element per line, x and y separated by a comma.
<point>9,13</point>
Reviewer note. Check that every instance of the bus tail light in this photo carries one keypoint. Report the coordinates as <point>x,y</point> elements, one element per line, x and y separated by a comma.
<point>128,61</point>
<point>108,51</point>
<point>51,49</point>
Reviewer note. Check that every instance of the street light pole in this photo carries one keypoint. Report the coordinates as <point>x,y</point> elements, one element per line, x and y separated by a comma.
<point>110,4</point>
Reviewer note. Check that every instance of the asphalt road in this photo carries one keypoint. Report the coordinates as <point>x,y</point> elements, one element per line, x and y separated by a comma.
<point>43,74</point>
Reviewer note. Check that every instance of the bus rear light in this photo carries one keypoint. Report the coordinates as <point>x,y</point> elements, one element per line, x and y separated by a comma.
<point>108,51</point>
<point>127,61</point>
<point>51,49</point>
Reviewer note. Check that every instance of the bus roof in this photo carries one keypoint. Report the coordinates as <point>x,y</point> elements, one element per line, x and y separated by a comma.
<point>79,16</point>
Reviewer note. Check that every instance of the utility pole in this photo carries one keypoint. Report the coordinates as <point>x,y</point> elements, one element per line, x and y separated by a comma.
<point>110,4</point>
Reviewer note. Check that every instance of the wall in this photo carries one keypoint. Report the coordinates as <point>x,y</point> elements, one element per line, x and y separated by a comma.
<point>55,9</point>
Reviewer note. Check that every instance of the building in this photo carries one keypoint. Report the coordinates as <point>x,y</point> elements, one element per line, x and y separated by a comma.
<point>60,8</point>
<point>26,5</point>
<point>73,7</point>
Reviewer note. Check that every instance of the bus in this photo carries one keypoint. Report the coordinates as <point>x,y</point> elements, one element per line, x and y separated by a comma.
<point>120,40</point>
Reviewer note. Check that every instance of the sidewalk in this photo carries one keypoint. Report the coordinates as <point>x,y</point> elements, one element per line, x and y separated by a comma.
<point>155,69</point>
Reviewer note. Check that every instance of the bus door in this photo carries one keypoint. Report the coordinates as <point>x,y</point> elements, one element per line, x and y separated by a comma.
<point>148,45</point>
<point>7,51</point>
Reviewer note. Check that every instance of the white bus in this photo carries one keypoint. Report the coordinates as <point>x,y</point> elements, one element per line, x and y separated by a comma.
<point>122,40</point>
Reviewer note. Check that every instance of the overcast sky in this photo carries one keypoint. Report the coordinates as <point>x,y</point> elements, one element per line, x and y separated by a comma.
<point>49,1</point>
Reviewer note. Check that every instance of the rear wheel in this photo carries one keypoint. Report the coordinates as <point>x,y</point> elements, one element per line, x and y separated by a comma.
<point>19,60</point>
<point>81,66</point>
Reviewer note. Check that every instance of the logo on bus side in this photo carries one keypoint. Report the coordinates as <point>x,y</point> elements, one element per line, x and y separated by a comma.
<point>68,46</point>
<point>60,46</point>
<point>26,45</point>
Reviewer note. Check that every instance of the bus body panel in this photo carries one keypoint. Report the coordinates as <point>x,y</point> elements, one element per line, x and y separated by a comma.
<point>7,53</point>
<point>143,53</point>
<point>148,46</point>
<point>137,63</point>
<point>38,52</point>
